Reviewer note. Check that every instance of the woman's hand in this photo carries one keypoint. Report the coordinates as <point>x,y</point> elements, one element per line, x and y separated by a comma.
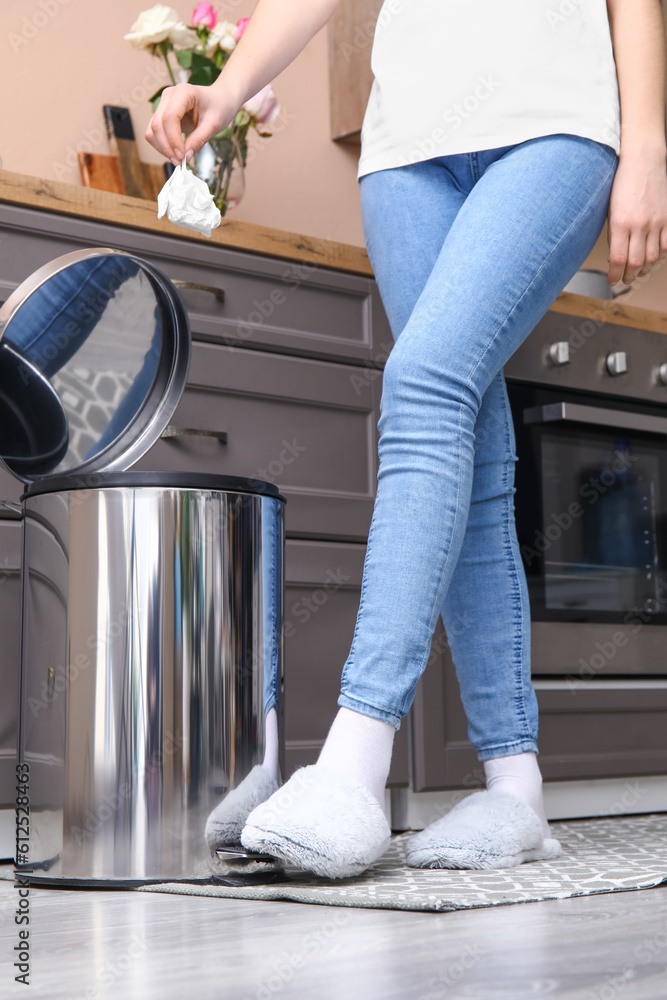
<point>200,111</point>
<point>637,217</point>
<point>638,203</point>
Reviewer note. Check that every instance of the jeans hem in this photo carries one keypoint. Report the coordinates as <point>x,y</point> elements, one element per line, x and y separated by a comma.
<point>508,749</point>
<point>371,710</point>
<point>270,703</point>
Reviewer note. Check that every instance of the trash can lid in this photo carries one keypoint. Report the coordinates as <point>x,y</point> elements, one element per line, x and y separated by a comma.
<point>94,356</point>
<point>199,481</point>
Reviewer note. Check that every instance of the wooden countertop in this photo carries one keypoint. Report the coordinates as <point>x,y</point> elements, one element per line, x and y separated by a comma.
<point>139,213</point>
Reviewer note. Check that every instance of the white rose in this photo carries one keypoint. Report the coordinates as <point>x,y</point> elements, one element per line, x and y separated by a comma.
<point>221,37</point>
<point>152,26</point>
<point>182,36</point>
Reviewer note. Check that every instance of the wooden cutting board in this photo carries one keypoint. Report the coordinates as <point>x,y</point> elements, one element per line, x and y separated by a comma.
<point>122,145</point>
<point>104,173</point>
<point>122,172</point>
<point>100,172</point>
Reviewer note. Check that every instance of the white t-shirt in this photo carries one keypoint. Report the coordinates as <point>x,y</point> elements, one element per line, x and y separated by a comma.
<point>455,76</point>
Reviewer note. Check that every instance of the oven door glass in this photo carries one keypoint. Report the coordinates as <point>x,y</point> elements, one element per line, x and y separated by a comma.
<point>591,507</point>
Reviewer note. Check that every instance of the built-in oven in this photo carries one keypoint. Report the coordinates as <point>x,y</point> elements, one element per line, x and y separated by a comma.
<point>589,401</point>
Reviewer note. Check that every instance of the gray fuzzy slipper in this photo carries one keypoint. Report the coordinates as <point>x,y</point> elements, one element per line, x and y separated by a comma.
<point>321,822</point>
<point>225,823</point>
<point>484,830</point>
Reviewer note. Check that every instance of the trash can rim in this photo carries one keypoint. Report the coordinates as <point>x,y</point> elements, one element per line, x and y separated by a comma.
<point>67,483</point>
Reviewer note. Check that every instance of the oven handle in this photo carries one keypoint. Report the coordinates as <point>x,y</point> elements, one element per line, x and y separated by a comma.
<point>597,415</point>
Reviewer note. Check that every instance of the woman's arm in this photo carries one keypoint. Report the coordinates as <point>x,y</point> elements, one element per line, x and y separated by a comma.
<point>277,31</point>
<point>638,203</point>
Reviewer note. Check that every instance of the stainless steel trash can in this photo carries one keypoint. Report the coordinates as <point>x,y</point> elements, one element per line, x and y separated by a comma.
<point>152,602</point>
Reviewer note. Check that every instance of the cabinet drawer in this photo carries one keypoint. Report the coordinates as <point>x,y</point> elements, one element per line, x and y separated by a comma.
<point>602,728</point>
<point>283,305</point>
<point>11,533</point>
<point>588,729</point>
<point>308,426</point>
<point>322,588</point>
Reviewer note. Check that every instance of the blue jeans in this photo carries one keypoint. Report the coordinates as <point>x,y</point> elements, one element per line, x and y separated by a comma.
<point>272,552</point>
<point>469,251</point>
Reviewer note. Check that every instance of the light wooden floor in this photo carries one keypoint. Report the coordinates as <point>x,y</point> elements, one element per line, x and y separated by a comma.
<point>127,945</point>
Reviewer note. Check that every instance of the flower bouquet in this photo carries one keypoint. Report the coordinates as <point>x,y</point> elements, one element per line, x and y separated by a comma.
<point>201,49</point>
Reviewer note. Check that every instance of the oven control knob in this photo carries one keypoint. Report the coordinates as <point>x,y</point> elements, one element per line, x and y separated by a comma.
<point>617,363</point>
<point>560,353</point>
<point>662,374</point>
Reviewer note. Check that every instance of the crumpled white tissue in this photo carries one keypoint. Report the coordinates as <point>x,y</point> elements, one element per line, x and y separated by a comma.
<point>187,202</point>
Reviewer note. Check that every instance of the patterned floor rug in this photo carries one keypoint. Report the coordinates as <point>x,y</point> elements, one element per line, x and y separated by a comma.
<point>600,855</point>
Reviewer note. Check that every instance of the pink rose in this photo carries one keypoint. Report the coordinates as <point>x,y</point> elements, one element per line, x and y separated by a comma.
<point>240,27</point>
<point>204,14</point>
<point>263,106</point>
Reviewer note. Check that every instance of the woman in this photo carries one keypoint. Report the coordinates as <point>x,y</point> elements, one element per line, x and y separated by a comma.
<point>496,140</point>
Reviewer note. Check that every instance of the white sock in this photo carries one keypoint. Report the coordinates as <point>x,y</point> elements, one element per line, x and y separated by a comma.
<point>518,774</point>
<point>359,747</point>
<point>270,761</point>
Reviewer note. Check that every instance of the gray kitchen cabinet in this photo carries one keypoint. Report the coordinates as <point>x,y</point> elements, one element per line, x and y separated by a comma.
<point>599,728</point>
<point>308,426</point>
<point>350,34</point>
<point>442,756</point>
<point>45,702</point>
<point>10,649</point>
<point>602,728</point>
<point>322,587</point>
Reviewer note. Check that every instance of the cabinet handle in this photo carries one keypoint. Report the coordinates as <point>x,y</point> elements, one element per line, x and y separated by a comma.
<point>596,415</point>
<point>218,292</point>
<point>17,508</point>
<point>175,432</point>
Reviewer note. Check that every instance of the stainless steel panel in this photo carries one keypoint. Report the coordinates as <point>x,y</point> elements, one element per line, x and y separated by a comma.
<point>597,416</point>
<point>94,352</point>
<point>588,281</point>
<point>152,649</point>
<point>590,340</point>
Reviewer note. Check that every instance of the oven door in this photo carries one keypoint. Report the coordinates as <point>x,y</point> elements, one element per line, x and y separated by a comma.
<point>591,504</point>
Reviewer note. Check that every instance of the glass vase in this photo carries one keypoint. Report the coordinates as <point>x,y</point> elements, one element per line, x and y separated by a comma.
<point>220,165</point>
